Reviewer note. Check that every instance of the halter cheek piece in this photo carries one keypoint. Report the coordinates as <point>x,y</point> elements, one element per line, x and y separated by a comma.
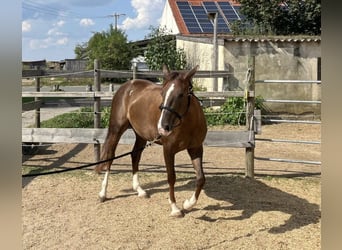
<point>170,109</point>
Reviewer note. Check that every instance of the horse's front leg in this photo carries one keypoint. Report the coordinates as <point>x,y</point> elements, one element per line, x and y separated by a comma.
<point>103,192</point>
<point>136,154</point>
<point>196,155</point>
<point>171,179</point>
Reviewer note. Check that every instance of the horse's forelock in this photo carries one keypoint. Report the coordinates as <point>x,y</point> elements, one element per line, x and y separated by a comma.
<point>172,76</point>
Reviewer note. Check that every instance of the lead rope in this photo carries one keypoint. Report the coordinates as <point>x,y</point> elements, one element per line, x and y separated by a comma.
<point>149,144</point>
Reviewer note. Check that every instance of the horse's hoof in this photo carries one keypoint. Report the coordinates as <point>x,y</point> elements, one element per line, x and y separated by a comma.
<point>102,199</point>
<point>177,214</point>
<point>188,205</point>
<point>143,195</point>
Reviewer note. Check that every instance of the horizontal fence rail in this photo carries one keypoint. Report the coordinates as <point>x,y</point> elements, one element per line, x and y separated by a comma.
<point>289,81</point>
<point>288,160</point>
<point>234,139</point>
<point>272,120</point>
<point>116,74</point>
<point>292,101</point>
<point>288,141</point>
<point>91,94</point>
<point>291,121</point>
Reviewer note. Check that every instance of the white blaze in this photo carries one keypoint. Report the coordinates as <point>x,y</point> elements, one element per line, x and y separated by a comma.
<point>168,93</point>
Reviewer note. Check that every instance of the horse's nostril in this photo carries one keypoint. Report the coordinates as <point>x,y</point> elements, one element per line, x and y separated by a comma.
<point>167,128</point>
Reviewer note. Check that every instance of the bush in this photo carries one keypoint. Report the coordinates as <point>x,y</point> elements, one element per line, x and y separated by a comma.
<point>232,112</point>
<point>83,118</point>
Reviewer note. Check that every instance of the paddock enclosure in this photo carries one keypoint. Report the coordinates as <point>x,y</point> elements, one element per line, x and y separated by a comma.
<point>280,208</point>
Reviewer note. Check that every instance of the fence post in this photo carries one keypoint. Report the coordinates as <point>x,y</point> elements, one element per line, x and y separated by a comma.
<point>97,106</point>
<point>135,68</point>
<point>36,99</point>
<point>250,88</point>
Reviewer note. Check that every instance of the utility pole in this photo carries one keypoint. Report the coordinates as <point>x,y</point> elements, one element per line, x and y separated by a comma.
<point>213,17</point>
<point>116,18</point>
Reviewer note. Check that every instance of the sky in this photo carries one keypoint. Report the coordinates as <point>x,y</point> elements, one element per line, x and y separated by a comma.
<point>51,29</point>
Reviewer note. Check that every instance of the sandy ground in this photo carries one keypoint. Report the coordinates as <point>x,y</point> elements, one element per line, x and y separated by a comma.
<point>279,209</point>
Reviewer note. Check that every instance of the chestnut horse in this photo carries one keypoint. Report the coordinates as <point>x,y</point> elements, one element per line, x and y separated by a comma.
<point>168,114</point>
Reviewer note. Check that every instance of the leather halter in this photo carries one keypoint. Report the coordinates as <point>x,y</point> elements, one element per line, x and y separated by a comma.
<point>170,109</point>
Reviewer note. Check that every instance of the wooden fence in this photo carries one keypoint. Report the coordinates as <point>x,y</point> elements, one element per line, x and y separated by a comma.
<point>272,120</point>
<point>238,139</point>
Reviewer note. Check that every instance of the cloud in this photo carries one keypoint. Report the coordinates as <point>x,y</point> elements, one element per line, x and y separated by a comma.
<point>40,43</point>
<point>85,22</point>
<point>147,13</point>
<point>47,42</point>
<point>55,30</point>
<point>62,41</point>
<point>60,23</point>
<point>26,26</point>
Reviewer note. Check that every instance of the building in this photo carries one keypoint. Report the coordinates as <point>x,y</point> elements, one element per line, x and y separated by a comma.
<point>193,17</point>
<point>282,58</point>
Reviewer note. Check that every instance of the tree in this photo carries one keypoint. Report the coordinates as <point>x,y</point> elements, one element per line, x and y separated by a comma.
<point>110,47</point>
<point>274,17</point>
<point>162,50</point>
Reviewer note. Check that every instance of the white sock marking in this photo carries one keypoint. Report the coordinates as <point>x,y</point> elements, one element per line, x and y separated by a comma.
<point>175,211</point>
<point>103,191</point>
<point>136,185</point>
<point>189,203</point>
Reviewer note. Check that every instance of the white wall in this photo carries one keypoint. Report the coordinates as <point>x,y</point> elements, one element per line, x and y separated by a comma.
<point>275,60</point>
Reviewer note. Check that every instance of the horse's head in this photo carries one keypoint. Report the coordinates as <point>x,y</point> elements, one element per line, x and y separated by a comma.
<point>176,93</point>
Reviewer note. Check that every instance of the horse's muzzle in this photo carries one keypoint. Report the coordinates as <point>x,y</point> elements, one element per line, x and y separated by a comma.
<point>164,132</point>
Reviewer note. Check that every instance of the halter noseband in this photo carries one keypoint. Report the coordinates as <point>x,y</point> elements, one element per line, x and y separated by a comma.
<point>170,109</point>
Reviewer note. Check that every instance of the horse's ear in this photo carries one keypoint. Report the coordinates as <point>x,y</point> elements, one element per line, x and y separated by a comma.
<point>191,73</point>
<point>166,70</point>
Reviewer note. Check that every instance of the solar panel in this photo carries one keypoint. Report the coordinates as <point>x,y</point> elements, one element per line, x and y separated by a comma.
<point>196,16</point>
<point>203,19</point>
<point>222,26</point>
<point>228,11</point>
<point>189,17</point>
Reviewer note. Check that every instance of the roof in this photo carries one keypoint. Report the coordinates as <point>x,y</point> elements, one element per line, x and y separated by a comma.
<point>191,16</point>
<point>252,39</point>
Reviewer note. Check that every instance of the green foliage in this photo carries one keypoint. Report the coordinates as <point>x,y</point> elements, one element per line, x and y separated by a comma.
<point>232,112</point>
<point>83,118</point>
<point>197,87</point>
<point>110,47</point>
<point>162,50</point>
<point>269,17</point>
<point>105,116</point>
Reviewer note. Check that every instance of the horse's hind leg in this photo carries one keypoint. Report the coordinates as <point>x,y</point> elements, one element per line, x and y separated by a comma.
<point>108,152</point>
<point>136,155</point>
<point>196,155</point>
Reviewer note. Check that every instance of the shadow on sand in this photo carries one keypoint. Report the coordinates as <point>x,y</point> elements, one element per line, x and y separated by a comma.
<point>251,196</point>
